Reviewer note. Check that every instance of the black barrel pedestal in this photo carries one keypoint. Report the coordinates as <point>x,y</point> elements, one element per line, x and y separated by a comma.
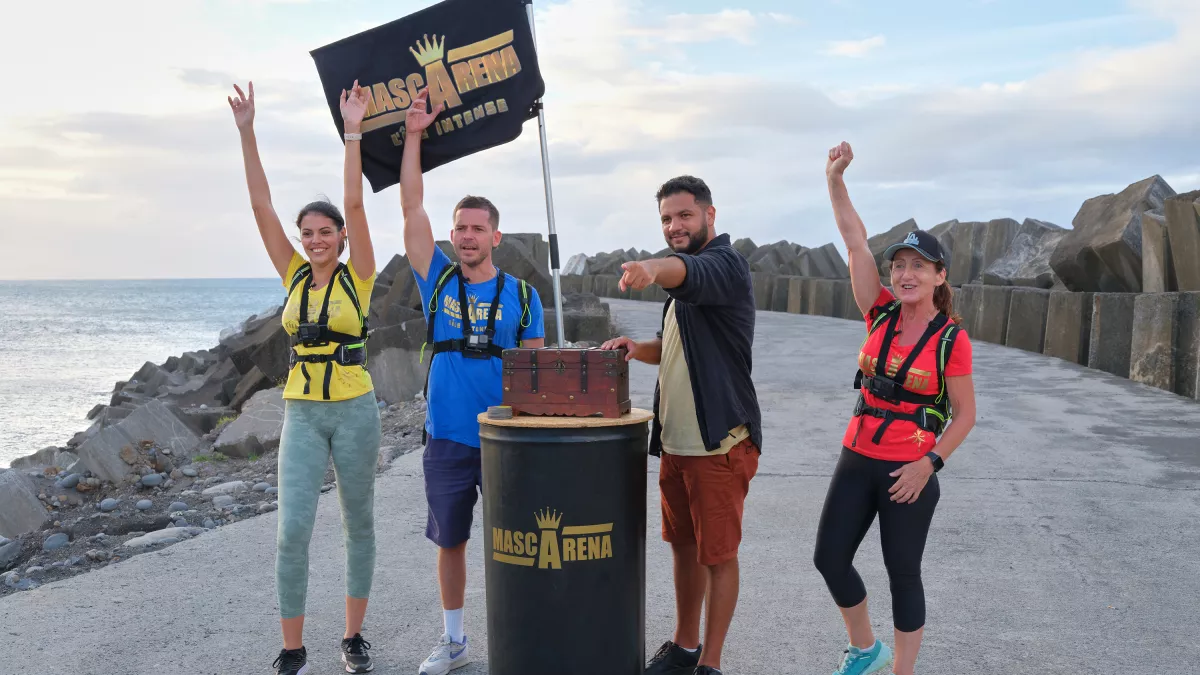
<point>564,517</point>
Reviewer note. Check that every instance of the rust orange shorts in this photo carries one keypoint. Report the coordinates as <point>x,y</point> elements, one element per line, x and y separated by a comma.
<point>702,500</point>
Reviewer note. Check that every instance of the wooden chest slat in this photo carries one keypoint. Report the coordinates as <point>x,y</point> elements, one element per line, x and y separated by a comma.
<point>569,382</point>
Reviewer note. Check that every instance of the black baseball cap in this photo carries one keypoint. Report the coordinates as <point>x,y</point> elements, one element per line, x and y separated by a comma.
<point>922,242</point>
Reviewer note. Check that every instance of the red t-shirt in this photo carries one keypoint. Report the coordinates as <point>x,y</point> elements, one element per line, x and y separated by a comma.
<point>903,441</point>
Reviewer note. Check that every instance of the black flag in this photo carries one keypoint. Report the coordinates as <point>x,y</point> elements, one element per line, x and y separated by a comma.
<point>476,56</point>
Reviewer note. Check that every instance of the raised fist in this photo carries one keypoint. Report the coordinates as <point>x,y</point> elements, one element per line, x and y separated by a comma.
<point>840,157</point>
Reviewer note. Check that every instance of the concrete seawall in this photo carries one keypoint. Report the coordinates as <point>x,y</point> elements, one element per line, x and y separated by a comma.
<point>1152,338</point>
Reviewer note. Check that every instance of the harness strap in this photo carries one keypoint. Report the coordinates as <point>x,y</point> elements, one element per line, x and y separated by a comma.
<point>922,418</point>
<point>526,318</point>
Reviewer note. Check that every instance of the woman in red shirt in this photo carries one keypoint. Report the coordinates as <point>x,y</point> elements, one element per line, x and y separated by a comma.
<point>897,439</point>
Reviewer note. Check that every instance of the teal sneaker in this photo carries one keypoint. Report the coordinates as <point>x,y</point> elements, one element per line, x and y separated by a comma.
<point>877,659</point>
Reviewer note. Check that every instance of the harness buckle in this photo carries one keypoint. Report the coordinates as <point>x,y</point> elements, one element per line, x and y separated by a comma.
<point>883,388</point>
<point>351,356</point>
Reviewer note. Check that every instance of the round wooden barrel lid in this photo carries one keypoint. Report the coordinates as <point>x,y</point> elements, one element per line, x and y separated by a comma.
<point>634,416</point>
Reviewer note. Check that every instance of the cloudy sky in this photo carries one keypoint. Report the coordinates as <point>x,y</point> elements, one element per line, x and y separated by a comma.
<point>119,157</point>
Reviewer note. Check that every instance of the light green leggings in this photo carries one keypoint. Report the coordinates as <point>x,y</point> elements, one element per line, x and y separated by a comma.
<point>312,431</point>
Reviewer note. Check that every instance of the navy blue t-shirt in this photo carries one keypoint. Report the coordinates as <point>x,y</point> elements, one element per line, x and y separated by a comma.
<point>461,388</point>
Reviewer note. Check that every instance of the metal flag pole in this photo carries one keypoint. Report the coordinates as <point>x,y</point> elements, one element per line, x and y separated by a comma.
<point>558,311</point>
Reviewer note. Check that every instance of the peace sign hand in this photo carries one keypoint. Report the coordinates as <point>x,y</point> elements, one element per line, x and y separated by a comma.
<point>243,107</point>
<point>417,119</point>
<point>354,107</point>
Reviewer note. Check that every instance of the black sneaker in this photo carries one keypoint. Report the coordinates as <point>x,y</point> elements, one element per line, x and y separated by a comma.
<point>671,659</point>
<point>706,670</point>
<point>292,661</point>
<point>354,654</point>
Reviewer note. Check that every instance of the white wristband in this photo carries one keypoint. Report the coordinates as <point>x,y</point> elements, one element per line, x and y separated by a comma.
<point>353,137</point>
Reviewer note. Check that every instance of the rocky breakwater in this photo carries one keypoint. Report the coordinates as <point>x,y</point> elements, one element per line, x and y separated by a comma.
<point>55,524</point>
<point>1118,291</point>
<point>772,265</point>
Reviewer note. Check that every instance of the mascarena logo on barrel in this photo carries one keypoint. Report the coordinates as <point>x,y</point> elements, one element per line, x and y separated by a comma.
<point>551,544</point>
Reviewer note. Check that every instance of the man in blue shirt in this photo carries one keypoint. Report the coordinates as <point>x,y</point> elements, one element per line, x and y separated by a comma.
<point>465,374</point>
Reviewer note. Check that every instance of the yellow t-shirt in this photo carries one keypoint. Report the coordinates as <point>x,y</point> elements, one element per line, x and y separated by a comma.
<point>677,403</point>
<point>345,382</point>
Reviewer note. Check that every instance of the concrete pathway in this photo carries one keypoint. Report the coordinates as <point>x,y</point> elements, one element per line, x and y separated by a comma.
<point>1066,541</point>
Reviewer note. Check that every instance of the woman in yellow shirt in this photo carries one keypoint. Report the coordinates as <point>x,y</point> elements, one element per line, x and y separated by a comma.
<point>330,407</point>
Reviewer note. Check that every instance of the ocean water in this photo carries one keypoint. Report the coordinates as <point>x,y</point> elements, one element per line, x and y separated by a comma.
<point>64,344</point>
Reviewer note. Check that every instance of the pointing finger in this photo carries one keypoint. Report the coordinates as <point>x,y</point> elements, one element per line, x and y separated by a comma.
<point>239,91</point>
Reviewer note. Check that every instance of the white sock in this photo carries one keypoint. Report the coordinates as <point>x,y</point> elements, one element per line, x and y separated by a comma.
<point>691,651</point>
<point>453,619</point>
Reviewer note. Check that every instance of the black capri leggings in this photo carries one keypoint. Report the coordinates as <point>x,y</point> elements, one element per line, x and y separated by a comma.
<point>859,490</point>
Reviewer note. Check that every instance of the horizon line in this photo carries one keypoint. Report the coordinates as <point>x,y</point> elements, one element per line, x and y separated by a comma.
<point>26,279</point>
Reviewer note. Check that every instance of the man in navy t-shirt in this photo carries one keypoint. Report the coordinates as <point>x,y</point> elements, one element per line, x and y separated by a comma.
<point>461,385</point>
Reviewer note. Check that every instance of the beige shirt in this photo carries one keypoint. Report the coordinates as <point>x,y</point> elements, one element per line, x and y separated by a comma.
<point>676,402</point>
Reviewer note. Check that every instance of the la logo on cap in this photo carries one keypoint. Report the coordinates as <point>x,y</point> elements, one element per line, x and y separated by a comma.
<point>911,239</point>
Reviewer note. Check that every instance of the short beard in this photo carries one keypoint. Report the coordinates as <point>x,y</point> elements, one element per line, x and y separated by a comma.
<point>695,241</point>
<point>487,257</point>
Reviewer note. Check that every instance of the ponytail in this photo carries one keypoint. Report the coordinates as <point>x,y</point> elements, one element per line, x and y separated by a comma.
<point>943,299</point>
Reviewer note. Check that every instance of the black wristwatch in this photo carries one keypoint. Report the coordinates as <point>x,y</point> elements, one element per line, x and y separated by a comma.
<point>937,461</point>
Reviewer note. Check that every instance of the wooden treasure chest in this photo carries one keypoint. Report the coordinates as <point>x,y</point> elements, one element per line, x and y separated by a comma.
<point>570,382</point>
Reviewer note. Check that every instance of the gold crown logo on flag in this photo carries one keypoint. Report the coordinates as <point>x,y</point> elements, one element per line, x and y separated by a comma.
<point>428,53</point>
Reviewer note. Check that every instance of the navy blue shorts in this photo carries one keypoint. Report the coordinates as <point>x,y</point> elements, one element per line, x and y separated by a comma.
<point>453,482</point>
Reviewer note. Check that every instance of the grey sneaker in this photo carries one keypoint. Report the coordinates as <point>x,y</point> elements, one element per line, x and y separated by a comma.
<point>354,655</point>
<point>446,656</point>
<point>292,661</point>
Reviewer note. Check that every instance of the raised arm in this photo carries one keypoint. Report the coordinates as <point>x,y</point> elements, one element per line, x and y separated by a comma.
<point>864,272</point>
<point>418,233</point>
<point>269,228</point>
<point>362,253</point>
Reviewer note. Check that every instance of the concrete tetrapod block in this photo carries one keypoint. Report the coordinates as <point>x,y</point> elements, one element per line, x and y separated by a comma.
<point>1158,273</point>
<point>1187,346</point>
<point>968,303</point>
<point>990,322</point>
<point>842,289</point>
<point>779,293</point>
<point>796,295</point>
<point>1183,231</point>
<point>763,285</point>
<point>850,308</point>
<point>586,284</point>
<point>570,284</point>
<point>1112,332</point>
<point>1068,326</point>
<point>20,509</point>
<point>1152,345</point>
<point>823,297</point>
<point>1027,319</point>
<point>966,264</point>
<point>998,236</point>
